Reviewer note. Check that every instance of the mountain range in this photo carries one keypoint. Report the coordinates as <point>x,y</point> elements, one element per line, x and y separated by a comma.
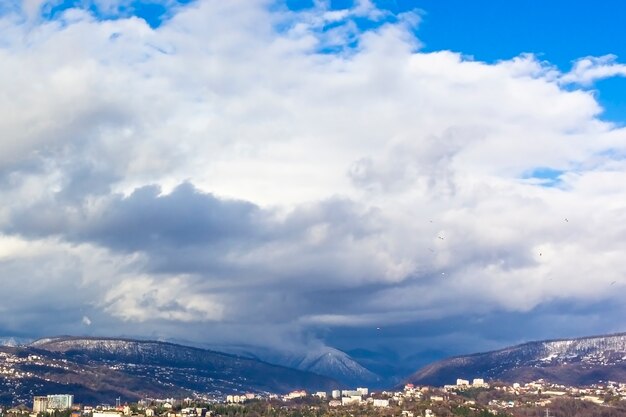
<point>580,361</point>
<point>322,360</point>
<point>100,369</point>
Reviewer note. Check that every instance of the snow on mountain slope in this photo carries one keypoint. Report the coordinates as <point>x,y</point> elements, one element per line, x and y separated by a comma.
<point>335,363</point>
<point>322,360</point>
<point>186,366</point>
<point>574,361</point>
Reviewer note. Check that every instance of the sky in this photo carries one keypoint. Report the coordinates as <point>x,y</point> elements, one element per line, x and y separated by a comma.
<point>421,177</point>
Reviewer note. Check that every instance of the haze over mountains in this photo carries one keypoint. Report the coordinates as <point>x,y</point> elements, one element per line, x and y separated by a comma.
<point>322,360</point>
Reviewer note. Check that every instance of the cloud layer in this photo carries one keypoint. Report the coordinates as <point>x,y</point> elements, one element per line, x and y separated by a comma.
<point>245,169</point>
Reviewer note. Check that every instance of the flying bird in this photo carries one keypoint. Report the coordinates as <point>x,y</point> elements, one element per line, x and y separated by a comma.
<point>613,282</point>
<point>440,237</point>
<point>566,220</point>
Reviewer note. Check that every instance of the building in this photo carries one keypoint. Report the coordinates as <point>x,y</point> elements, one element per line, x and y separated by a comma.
<point>235,399</point>
<point>40,404</point>
<point>109,413</point>
<point>354,399</point>
<point>479,383</point>
<point>462,382</point>
<point>381,403</point>
<point>362,391</point>
<point>60,402</point>
<point>336,394</point>
<point>320,394</point>
<point>296,394</point>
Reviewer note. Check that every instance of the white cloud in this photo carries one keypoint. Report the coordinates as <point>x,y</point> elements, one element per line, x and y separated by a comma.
<point>589,69</point>
<point>143,298</point>
<point>360,158</point>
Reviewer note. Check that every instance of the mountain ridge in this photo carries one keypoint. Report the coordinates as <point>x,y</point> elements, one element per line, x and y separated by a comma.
<point>322,360</point>
<point>97,369</point>
<point>576,361</point>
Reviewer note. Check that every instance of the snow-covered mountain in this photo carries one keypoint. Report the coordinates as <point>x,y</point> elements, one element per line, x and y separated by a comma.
<point>98,369</point>
<point>318,359</point>
<point>573,361</point>
<point>322,360</point>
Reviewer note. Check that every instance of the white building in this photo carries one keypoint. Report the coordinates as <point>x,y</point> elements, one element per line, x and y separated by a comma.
<point>235,399</point>
<point>362,391</point>
<point>336,394</point>
<point>479,383</point>
<point>462,382</point>
<point>381,403</point>
<point>110,413</point>
<point>296,394</point>
<point>320,394</point>
<point>60,402</point>
<point>354,399</point>
<point>40,404</point>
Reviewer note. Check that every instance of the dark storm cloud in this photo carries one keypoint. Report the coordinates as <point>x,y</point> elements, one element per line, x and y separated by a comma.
<point>145,220</point>
<point>188,231</point>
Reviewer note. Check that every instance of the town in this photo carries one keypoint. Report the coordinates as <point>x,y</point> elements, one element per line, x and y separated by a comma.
<point>465,398</point>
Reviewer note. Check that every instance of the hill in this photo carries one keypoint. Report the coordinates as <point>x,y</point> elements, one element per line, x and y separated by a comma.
<point>100,369</point>
<point>580,361</point>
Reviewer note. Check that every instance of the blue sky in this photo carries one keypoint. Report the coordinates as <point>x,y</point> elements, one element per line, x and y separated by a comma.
<point>313,172</point>
<point>558,32</point>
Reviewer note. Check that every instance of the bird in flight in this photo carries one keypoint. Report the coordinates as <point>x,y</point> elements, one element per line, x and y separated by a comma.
<point>566,220</point>
<point>440,237</point>
<point>612,283</point>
